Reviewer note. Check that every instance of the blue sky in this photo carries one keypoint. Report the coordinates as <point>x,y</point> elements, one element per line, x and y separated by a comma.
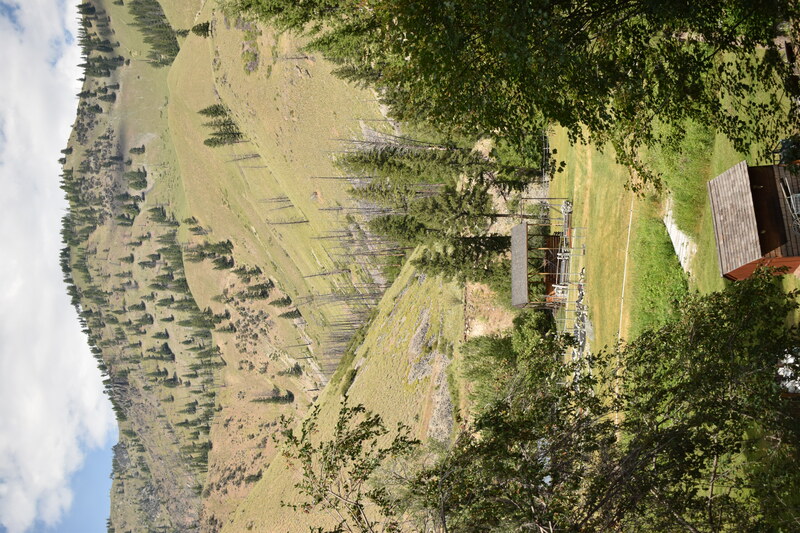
<point>90,505</point>
<point>56,424</point>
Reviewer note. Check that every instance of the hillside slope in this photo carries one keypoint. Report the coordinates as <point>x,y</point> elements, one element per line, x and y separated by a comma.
<point>404,369</point>
<point>219,286</point>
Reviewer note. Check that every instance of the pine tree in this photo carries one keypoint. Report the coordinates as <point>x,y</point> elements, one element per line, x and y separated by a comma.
<point>203,29</point>
<point>456,212</point>
<point>214,110</point>
<point>405,229</point>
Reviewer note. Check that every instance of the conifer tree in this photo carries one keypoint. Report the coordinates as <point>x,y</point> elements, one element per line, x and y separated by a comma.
<point>203,29</point>
<point>214,110</point>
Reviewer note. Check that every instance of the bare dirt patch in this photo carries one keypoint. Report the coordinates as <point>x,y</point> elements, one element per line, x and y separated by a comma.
<point>482,314</point>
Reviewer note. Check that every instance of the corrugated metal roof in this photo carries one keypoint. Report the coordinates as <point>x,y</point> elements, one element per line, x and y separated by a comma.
<point>519,265</point>
<point>734,218</point>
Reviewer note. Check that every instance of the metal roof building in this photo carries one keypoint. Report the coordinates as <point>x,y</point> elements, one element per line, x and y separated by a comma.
<point>756,216</point>
<point>547,265</point>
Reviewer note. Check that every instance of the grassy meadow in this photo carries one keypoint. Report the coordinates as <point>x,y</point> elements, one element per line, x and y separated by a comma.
<point>602,205</point>
<point>290,137</point>
<point>401,370</point>
<point>654,278</point>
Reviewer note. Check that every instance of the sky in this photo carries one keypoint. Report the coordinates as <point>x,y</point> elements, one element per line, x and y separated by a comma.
<point>56,425</point>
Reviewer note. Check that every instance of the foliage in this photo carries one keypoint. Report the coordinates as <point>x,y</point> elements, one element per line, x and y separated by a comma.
<point>604,70</point>
<point>348,380</point>
<point>202,29</point>
<point>657,273</point>
<point>528,462</point>
<point>684,429</point>
<point>294,370</point>
<point>336,472</point>
<point>137,179</point>
<point>702,396</point>
<point>258,291</point>
<point>276,397</point>
<point>684,169</point>
<point>284,301</point>
<point>421,165</point>
<point>439,196</point>
<point>101,66</point>
<point>412,161</point>
<point>157,32</point>
<point>490,362</point>
<point>464,258</point>
<point>789,152</point>
<point>294,313</point>
<point>225,130</point>
<point>209,250</point>
<point>214,110</point>
<point>700,421</point>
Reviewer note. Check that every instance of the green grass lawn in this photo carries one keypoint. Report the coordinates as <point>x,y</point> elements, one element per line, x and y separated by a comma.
<point>657,277</point>
<point>602,205</point>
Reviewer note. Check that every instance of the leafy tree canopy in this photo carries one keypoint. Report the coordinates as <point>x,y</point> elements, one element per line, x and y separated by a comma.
<point>694,434</point>
<point>684,429</point>
<point>613,68</point>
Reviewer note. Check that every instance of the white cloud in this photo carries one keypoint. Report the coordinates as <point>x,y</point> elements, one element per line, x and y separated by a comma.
<point>52,407</point>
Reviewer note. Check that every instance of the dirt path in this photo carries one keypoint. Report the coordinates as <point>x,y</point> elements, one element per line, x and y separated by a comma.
<point>625,270</point>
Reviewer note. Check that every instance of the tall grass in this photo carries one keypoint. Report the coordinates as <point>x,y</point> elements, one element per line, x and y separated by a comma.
<point>685,167</point>
<point>657,273</point>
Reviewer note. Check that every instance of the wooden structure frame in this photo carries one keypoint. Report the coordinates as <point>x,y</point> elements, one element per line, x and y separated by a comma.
<point>756,219</point>
<point>555,269</point>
